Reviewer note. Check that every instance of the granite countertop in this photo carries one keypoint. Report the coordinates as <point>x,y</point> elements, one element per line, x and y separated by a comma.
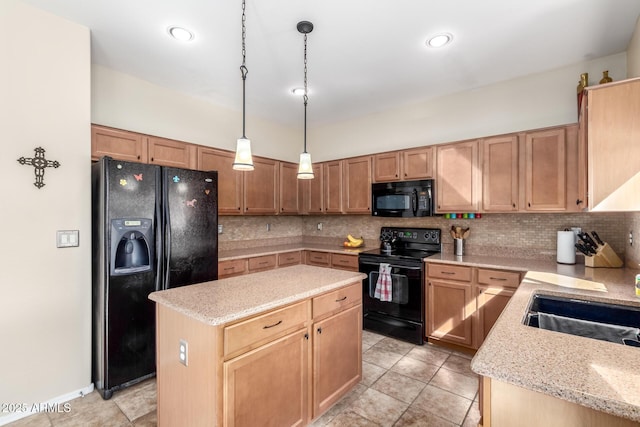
<point>221,301</point>
<point>269,250</point>
<point>597,374</point>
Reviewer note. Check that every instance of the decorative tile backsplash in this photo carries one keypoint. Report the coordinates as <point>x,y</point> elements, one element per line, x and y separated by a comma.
<point>515,235</point>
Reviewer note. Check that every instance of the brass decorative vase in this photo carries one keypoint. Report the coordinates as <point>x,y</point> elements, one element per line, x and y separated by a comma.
<point>605,77</point>
<point>584,82</point>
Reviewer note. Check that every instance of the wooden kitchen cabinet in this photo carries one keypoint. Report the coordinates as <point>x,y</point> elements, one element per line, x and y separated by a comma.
<point>344,262</point>
<point>289,258</point>
<point>545,179</point>
<point>357,185</point>
<point>490,302</point>
<point>337,356</point>
<point>230,182</point>
<point>261,187</point>
<point>289,201</point>
<point>233,267</point>
<point>313,191</point>
<point>448,311</point>
<point>320,259</point>
<point>269,383</point>
<point>387,167</point>
<point>118,144</point>
<point>458,177</point>
<point>167,152</point>
<point>500,174</point>
<point>613,150</point>
<point>418,163</point>
<point>261,263</point>
<point>333,187</point>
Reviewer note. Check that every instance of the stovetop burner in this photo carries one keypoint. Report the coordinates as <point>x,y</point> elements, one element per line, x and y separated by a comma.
<point>406,244</point>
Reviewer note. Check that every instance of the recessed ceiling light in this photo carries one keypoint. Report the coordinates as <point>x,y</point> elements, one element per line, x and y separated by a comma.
<point>439,40</point>
<point>298,91</point>
<point>180,33</point>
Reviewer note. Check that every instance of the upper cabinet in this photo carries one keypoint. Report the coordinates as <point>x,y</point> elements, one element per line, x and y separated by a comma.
<point>613,132</point>
<point>167,152</point>
<point>412,164</point>
<point>357,185</point>
<point>289,196</point>
<point>333,186</point>
<point>312,193</point>
<point>230,200</point>
<point>261,187</point>
<point>545,154</point>
<point>500,174</point>
<point>118,144</point>
<point>458,177</point>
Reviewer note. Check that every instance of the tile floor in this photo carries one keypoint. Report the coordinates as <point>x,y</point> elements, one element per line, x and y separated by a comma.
<point>402,385</point>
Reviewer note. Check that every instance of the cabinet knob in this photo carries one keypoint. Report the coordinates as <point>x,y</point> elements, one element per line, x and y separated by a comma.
<point>514,205</point>
<point>152,159</point>
<point>138,157</point>
<point>578,202</point>
<point>319,330</point>
<point>529,204</point>
<point>306,337</point>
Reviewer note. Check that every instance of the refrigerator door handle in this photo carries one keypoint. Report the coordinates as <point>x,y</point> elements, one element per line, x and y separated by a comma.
<point>167,234</point>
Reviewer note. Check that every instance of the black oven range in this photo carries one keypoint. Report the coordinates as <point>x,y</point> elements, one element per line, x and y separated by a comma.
<point>394,289</point>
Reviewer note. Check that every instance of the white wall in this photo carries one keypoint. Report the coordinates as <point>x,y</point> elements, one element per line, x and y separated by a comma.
<point>633,53</point>
<point>126,102</point>
<point>45,292</point>
<point>533,101</point>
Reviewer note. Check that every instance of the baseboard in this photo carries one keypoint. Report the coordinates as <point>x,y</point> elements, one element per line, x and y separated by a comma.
<point>55,404</point>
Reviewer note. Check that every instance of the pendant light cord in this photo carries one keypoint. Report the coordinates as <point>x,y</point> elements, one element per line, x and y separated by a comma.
<point>243,67</point>
<point>305,98</point>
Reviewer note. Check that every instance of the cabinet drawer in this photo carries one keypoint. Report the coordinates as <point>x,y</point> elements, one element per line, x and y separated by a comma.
<point>446,271</point>
<point>232,267</point>
<point>265,262</point>
<point>345,262</point>
<point>336,300</point>
<point>318,258</point>
<point>264,328</point>
<point>498,278</point>
<point>288,258</point>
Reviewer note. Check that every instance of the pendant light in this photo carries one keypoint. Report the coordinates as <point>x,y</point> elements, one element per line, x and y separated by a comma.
<point>305,170</point>
<point>243,160</point>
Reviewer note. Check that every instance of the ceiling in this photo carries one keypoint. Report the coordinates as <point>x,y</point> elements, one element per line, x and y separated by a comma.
<point>363,56</point>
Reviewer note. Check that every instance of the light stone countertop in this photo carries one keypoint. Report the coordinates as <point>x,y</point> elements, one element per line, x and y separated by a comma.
<point>597,374</point>
<point>221,301</point>
<point>269,250</point>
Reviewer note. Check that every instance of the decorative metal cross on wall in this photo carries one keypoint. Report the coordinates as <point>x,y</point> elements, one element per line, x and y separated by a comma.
<point>39,163</point>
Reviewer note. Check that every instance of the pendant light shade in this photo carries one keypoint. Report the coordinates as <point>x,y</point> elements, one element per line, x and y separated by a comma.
<point>305,170</point>
<point>243,160</point>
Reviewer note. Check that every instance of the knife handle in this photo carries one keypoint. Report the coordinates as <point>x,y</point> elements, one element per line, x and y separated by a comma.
<point>598,239</point>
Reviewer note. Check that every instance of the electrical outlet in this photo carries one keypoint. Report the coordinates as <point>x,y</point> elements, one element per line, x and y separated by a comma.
<point>268,227</point>
<point>319,226</point>
<point>219,228</point>
<point>631,238</point>
<point>183,353</point>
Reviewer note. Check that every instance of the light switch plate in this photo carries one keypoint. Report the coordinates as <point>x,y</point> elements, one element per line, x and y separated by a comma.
<point>67,238</point>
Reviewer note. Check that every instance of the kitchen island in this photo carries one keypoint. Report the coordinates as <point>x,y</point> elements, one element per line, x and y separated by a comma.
<point>533,376</point>
<point>277,347</point>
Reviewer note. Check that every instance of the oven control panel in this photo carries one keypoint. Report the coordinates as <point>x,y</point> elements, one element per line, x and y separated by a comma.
<point>413,235</point>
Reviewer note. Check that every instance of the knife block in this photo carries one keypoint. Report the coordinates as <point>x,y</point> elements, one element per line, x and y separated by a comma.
<point>605,257</point>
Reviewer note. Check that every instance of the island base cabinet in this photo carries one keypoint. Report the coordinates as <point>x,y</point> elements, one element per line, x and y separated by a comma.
<point>337,357</point>
<point>506,405</point>
<point>269,385</point>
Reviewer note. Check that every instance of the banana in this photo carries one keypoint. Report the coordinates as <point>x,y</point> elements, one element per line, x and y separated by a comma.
<point>355,240</point>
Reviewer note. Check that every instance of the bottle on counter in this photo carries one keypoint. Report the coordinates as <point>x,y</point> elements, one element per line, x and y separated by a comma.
<point>638,285</point>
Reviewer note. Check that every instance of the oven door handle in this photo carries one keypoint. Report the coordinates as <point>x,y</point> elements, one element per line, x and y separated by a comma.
<point>392,265</point>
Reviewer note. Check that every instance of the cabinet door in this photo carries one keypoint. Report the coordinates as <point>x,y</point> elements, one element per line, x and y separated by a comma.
<point>333,187</point>
<point>119,144</point>
<point>337,357</point>
<point>321,259</point>
<point>449,312</point>
<point>288,188</point>
<point>490,300</point>
<point>545,170</point>
<point>417,163</point>
<point>261,187</point>
<point>166,152</point>
<point>357,185</point>
<point>229,180</point>
<point>500,173</point>
<point>613,148</point>
<point>269,385</point>
<point>315,192</point>
<point>386,167</point>
<point>576,169</point>
<point>234,267</point>
<point>457,177</point>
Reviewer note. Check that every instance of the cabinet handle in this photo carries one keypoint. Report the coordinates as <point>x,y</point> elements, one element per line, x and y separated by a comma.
<point>271,326</point>
<point>429,283</point>
<point>263,263</point>
<point>319,330</point>
<point>152,159</point>
<point>529,204</point>
<point>448,272</point>
<point>514,205</point>
<point>341,299</point>
<point>502,279</point>
<point>229,268</point>
<point>138,157</point>
<point>578,202</point>
<point>405,174</point>
<point>306,337</point>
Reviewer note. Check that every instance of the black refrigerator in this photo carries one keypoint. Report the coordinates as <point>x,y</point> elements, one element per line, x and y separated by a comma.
<point>153,228</point>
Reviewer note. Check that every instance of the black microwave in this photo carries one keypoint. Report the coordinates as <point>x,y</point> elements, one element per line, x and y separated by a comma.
<point>403,198</point>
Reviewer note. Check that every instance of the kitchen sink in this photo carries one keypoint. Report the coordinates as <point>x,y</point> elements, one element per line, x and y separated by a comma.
<point>598,320</point>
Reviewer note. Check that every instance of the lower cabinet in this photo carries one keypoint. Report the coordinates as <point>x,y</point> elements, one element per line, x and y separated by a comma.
<point>269,385</point>
<point>463,303</point>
